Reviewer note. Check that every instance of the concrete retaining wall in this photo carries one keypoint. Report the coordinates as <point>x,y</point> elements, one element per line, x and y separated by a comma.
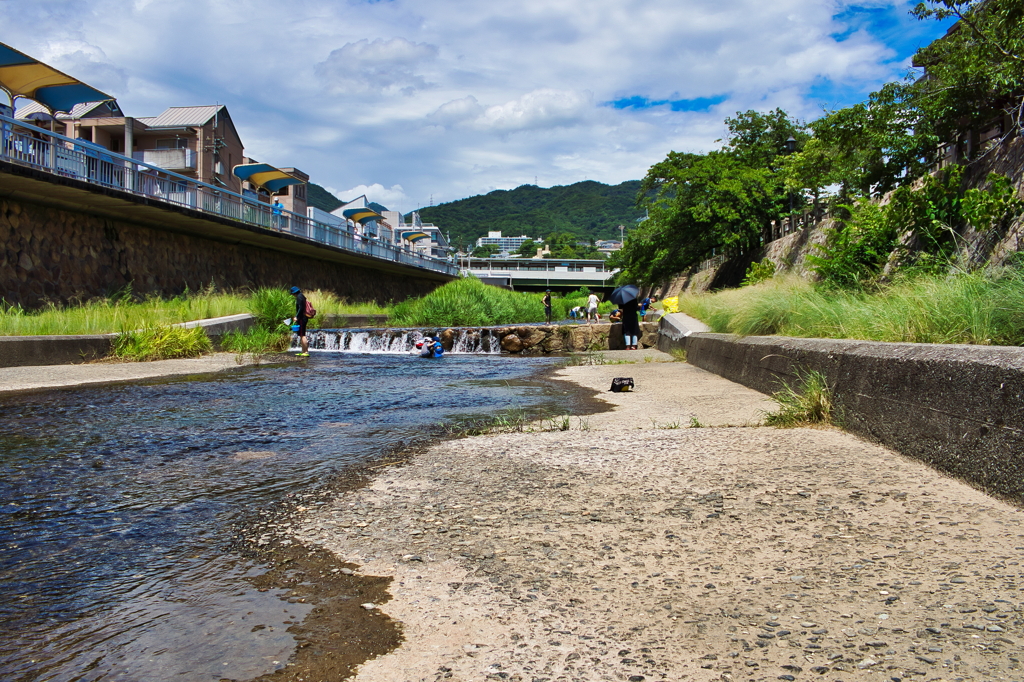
<point>33,351</point>
<point>958,408</point>
<point>50,254</point>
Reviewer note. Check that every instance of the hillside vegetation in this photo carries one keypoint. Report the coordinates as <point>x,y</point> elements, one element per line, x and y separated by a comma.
<point>770,163</point>
<point>590,210</point>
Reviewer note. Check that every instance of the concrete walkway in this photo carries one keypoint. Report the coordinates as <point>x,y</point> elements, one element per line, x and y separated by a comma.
<point>18,379</point>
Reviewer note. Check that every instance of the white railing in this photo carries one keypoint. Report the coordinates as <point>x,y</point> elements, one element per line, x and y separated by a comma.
<point>27,145</point>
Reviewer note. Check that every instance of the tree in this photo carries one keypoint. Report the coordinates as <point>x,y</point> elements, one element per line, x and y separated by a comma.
<point>976,71</point>
<point>528,249</point>
<point>486,251</point>
<point>720,202</point>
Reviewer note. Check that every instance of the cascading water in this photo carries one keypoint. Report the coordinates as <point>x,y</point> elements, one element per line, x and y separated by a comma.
<point>477,340</point>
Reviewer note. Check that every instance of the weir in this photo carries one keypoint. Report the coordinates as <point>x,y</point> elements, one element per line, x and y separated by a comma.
<point>469,340</point>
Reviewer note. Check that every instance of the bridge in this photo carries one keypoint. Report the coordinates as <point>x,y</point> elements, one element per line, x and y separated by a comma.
<point>77,220</point>
<point>531,274</point>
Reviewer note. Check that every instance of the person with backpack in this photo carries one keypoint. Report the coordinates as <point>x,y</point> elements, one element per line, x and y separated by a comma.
<point>303,312</point>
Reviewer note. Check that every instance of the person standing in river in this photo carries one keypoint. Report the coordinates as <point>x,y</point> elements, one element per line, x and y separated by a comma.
<point>301,320</point>
<point>547,305</point>
<point>592,302</point>
<point>631,323</point>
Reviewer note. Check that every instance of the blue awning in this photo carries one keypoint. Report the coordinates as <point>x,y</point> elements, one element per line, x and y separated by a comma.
<point>264,175</point>
<point>23,76</point>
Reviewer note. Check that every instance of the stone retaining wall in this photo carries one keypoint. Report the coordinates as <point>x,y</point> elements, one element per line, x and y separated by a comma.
<point>49,254</point>
<point>571,338</point>
<point>957,408</point>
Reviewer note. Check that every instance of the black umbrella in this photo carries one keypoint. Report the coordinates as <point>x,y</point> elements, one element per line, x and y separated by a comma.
<point>627,292</point>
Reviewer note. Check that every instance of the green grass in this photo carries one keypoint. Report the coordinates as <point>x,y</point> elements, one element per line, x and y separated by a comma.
<point>468,302</point>
<point>161,343</point>
<point>256,342</point>
<point>121,312</point>
<point>811,403</point>
<point>116,314</point>
<point>975,308</point>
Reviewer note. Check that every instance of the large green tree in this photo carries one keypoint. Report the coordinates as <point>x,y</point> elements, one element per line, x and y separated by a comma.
<point>720,202</point>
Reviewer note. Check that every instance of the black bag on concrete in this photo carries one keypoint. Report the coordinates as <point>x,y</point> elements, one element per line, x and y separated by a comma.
<point>620,384</point>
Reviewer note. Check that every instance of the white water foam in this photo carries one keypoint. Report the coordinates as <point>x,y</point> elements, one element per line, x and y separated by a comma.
<point>474,340</point>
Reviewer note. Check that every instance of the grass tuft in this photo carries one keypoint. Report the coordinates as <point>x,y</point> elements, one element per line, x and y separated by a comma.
<point>973,308</point>
<point>161,343</point>
<point>811,404</point>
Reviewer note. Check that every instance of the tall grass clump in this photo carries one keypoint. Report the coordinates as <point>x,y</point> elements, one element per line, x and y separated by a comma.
<point>117,312</point>
<point>270,306</point>
<point>161,343</point>
<point>970,308</point>
<point>811,403</point>
<point>468,302</point>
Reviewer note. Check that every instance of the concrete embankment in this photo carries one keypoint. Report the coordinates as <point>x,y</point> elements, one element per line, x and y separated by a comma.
<point>30,351</point>
<point>958,408</point>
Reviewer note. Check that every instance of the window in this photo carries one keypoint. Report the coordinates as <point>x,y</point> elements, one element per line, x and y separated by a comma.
<point>172,143</point>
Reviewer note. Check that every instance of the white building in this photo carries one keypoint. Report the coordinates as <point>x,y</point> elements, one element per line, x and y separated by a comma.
<point>506,245</point>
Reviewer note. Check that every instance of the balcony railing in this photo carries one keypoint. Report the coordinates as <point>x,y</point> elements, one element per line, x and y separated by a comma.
<point>27,145</point>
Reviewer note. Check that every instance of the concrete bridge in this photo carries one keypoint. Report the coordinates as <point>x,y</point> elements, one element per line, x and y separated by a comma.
<point>78,222</point>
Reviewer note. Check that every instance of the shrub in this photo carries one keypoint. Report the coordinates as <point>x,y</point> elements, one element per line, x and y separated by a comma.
<point>468,302</point>
<point>270,306</point>
<point>759,272</point>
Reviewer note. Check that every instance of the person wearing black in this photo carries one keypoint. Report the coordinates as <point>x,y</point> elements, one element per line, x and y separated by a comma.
<point>301,320</point>
<point>631,324</point>
<point>547,305</point>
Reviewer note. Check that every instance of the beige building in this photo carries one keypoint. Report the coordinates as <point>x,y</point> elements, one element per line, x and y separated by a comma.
<point>197,142</point>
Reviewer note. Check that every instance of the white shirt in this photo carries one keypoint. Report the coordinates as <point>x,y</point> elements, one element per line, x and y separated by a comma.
<point>592,302</point>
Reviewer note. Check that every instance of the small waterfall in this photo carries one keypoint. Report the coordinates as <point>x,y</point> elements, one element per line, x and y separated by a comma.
<point>399,341</point>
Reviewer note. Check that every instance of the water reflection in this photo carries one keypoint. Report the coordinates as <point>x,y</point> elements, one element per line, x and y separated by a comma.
<point>114,503</point>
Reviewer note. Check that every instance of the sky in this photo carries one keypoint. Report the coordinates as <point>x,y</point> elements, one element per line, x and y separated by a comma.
<point>416,103</point>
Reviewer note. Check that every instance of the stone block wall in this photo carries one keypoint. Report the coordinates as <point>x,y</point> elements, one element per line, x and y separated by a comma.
<point>49,254</point>
<point>571,338</point>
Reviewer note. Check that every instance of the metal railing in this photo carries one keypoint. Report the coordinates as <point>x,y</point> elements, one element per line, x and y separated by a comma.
<point>533,265</point>
<point>27,145</point>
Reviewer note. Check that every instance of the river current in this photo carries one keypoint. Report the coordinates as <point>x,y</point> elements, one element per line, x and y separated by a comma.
<point>116,501</point>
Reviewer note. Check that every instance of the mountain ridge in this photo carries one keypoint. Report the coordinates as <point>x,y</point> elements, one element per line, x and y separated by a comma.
<point>589,209</point>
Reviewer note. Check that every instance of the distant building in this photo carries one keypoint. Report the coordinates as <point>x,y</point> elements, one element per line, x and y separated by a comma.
<point>434,243</point>
<point>197,142</point>
<point>506,245</point>
<point>608,245</point>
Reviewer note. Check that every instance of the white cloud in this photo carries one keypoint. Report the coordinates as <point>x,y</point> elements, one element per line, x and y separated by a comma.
<point>392,197</point>
<point>407,99</point>
<point>376,66</point>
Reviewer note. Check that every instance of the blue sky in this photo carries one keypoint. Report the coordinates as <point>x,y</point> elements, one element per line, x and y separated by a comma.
<point>411,100</point>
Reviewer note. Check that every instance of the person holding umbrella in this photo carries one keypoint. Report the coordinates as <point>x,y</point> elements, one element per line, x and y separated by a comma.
<point>626,296</point>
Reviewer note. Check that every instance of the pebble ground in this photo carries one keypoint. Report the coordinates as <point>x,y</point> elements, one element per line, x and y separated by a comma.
<point>635,547</point>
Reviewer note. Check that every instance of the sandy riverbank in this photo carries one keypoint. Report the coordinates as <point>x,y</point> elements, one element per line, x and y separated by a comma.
<point>633,550</point>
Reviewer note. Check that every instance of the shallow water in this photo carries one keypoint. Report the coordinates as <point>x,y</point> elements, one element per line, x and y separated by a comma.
<point>115,502</point>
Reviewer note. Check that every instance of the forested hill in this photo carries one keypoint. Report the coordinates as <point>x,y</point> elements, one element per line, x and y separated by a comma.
<point>591,210</point>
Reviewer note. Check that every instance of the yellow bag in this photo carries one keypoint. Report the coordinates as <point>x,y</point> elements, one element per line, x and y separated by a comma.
<point>671,305</point>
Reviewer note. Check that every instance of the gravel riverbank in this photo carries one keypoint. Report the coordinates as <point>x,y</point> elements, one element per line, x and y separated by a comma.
<point>632,547</point>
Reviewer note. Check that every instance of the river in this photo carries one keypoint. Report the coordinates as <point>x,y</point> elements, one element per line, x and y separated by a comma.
<point>116,501</point>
